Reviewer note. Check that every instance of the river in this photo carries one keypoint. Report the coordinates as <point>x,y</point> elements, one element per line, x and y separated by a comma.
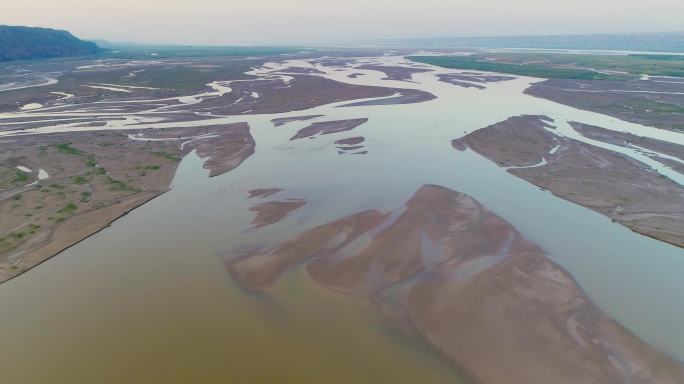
<point>150,300</point>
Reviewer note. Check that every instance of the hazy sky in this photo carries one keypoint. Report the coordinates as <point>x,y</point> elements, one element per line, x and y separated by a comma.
<point>318,21</point>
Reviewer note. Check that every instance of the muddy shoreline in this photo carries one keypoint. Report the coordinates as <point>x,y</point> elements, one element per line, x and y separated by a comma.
<point>90,179</point>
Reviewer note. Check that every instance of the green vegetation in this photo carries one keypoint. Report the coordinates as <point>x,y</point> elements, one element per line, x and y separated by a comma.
<point>21,43</point>
<point>144,168</point>
<point>659,57</point>
<point>633,64</point>
<point>20,177</point>
<point>85,196</point>
<point>167,156</point>
<point>17,235</point>
<point>69,209</point>
<point>5,244</point>
<point>91,162</point>
<point>531,70</point>
<point>79,180</point>
<point>565,66</point>
<point>67,149</point>
<point>100,171</point>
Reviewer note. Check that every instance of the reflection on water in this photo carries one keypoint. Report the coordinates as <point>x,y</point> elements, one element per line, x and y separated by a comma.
<point>149,299</point>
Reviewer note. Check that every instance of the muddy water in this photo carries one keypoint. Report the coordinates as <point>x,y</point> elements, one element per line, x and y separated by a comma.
<point>149,299</point>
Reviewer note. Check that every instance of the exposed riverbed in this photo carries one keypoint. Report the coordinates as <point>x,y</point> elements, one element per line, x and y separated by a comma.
<point>150,299</point>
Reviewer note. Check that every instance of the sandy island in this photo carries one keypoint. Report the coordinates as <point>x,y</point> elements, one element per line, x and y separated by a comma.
<point>489,299</point>
<point>647,102</point>
<point>328,127</point>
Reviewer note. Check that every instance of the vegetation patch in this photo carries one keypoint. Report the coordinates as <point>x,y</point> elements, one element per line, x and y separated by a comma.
<point>644,105</point>
<point>167,156</point>
<point>118,185</point>
<point>20,177</point>
<point>68,209</point>
<point>565,66</point>
<point>67,149</point>
<point>532,70</point>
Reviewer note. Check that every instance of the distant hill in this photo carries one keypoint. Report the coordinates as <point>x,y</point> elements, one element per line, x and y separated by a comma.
<point>657,42</point>
<point>20,43</point>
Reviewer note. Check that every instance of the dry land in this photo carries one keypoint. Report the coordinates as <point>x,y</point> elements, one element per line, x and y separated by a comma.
<point>613,184</point>
<point>328,127</point>
<point>58,189</point>
<point>648,102</point>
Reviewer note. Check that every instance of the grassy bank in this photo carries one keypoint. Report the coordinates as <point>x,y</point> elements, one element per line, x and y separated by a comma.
<point>564,66</point>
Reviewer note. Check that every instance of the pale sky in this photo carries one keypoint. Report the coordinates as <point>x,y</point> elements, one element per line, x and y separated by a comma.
<point>222,22</point>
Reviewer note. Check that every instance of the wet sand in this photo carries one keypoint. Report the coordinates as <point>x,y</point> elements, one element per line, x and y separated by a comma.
<point>517,142</point>
<point>624,139</point>
<point>615,185</point>
<point>454,270</point>
<point>262,268</point>
<point>405,96</point>
<point>93,179</point>
<point>273,212</point>
<point>351,145</point>
<point>328,127</point>
<point>284,120</point>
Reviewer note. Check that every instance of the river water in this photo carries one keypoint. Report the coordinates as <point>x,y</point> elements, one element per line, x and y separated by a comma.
<point>150,300</point>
